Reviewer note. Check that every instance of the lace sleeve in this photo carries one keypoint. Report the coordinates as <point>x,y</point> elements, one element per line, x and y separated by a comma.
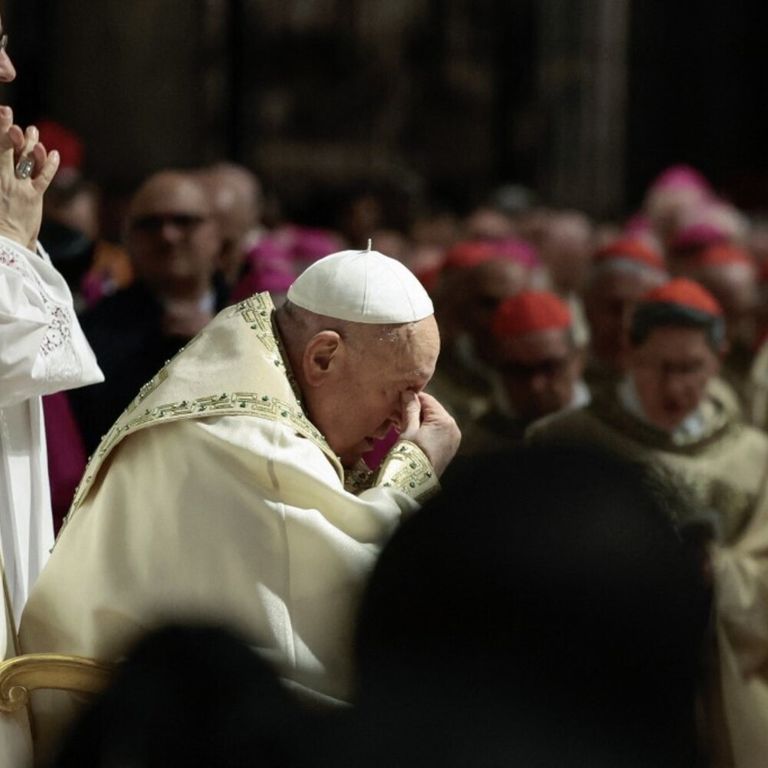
<point>43,349</point>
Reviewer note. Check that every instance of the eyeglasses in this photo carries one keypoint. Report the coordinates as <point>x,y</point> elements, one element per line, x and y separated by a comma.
<point>154,222</point>
<point>689,370</point>
<point>3,42</point>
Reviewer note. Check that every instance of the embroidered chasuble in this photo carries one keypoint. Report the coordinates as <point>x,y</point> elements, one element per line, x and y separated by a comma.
<point>214,497</point>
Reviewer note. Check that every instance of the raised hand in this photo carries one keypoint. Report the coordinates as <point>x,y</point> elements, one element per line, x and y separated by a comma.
<point>21,193</point>
<point>426,423</point>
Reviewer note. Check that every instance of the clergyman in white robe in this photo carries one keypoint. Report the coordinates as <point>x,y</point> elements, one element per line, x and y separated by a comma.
<point>42,350</point>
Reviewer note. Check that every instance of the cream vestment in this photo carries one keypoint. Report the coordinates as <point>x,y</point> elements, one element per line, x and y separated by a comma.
<point>214,497</point>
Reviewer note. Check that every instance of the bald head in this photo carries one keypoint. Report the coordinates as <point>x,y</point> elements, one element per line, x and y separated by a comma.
<point>235,195</point>
<point>172,236</point>
<point>566,248</point>
<point>170,191</point>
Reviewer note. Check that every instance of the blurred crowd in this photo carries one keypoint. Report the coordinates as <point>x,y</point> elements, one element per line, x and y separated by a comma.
<point>545,315</point>
<point>195,240</point>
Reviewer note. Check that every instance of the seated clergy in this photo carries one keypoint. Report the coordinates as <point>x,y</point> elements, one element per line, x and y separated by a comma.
<point>174,245</point>
<point>230,488</point>
<point>620,274</point>
<point>537,370</point>
<point>664,412</point>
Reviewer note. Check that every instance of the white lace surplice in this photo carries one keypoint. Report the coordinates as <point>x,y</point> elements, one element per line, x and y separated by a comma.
<point>42,350</point>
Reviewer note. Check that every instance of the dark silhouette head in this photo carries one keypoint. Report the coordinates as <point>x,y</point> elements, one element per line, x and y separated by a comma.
<point>542,607</point>
<point>188,696</point>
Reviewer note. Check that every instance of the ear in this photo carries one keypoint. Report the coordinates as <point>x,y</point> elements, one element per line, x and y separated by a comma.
<point>321,357</point>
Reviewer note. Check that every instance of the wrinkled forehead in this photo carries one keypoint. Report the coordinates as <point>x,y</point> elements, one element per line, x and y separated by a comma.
<point>171,193</point>
<point>409,350</point>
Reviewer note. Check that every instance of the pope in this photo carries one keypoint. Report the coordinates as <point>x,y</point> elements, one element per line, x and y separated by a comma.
<point>231,489</point>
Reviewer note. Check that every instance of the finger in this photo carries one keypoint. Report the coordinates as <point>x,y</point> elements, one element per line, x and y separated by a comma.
<point>11,144</point>
<point>25,164</point>
<point>39,155</point>
<point>16,135</point>
<point>410,419</point>
<point>430,406</point>
<point>6,121</point>
<point>47,172</point>
<point>31,137</point>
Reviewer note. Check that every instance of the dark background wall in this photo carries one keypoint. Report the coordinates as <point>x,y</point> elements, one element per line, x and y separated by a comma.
<point>697,93</point>
<point>585,100</point>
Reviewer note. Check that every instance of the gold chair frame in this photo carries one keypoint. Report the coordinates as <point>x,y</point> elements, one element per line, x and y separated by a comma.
<point>21,675</point>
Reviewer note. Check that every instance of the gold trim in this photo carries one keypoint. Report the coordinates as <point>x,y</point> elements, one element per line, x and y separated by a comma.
<point>224,404</point>
<point>29,672</point>
<point>407,468</point>
<point>358,479</point>
<point>257,315</point>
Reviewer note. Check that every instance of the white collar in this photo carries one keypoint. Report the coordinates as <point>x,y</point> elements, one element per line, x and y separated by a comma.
<point>690,428</point>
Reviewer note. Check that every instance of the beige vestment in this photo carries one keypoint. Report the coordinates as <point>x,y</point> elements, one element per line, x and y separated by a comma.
<point>757,389</point>
<point>726,470</point>
<point>214,497</point>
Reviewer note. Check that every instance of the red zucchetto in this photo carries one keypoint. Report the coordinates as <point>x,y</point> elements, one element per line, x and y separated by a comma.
<point>530,311</point>
<point>723,253</point>
<point>684,293</point>
<point>630,250</point>
<point>53,135</point>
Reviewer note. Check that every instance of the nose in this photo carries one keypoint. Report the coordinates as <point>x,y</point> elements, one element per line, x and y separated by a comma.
<point>170,231</point>
<point>7,70</point>
<point>676,388</point>
<point>539,383</point>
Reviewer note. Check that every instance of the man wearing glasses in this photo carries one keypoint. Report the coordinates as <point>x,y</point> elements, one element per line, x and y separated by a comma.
<point>175,245</point>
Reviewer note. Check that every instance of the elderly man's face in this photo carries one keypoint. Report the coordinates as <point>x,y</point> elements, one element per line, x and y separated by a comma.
<point>7,70</point>
<point>539,371</point>
<point>362,401</point>
<point>671,370</point>
<point>172,236</point>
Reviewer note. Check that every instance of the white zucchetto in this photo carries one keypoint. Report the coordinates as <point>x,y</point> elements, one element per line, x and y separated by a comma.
<point>361,287</point>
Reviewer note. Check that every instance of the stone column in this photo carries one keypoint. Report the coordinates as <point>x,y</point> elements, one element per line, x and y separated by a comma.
<point>582,84</point>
